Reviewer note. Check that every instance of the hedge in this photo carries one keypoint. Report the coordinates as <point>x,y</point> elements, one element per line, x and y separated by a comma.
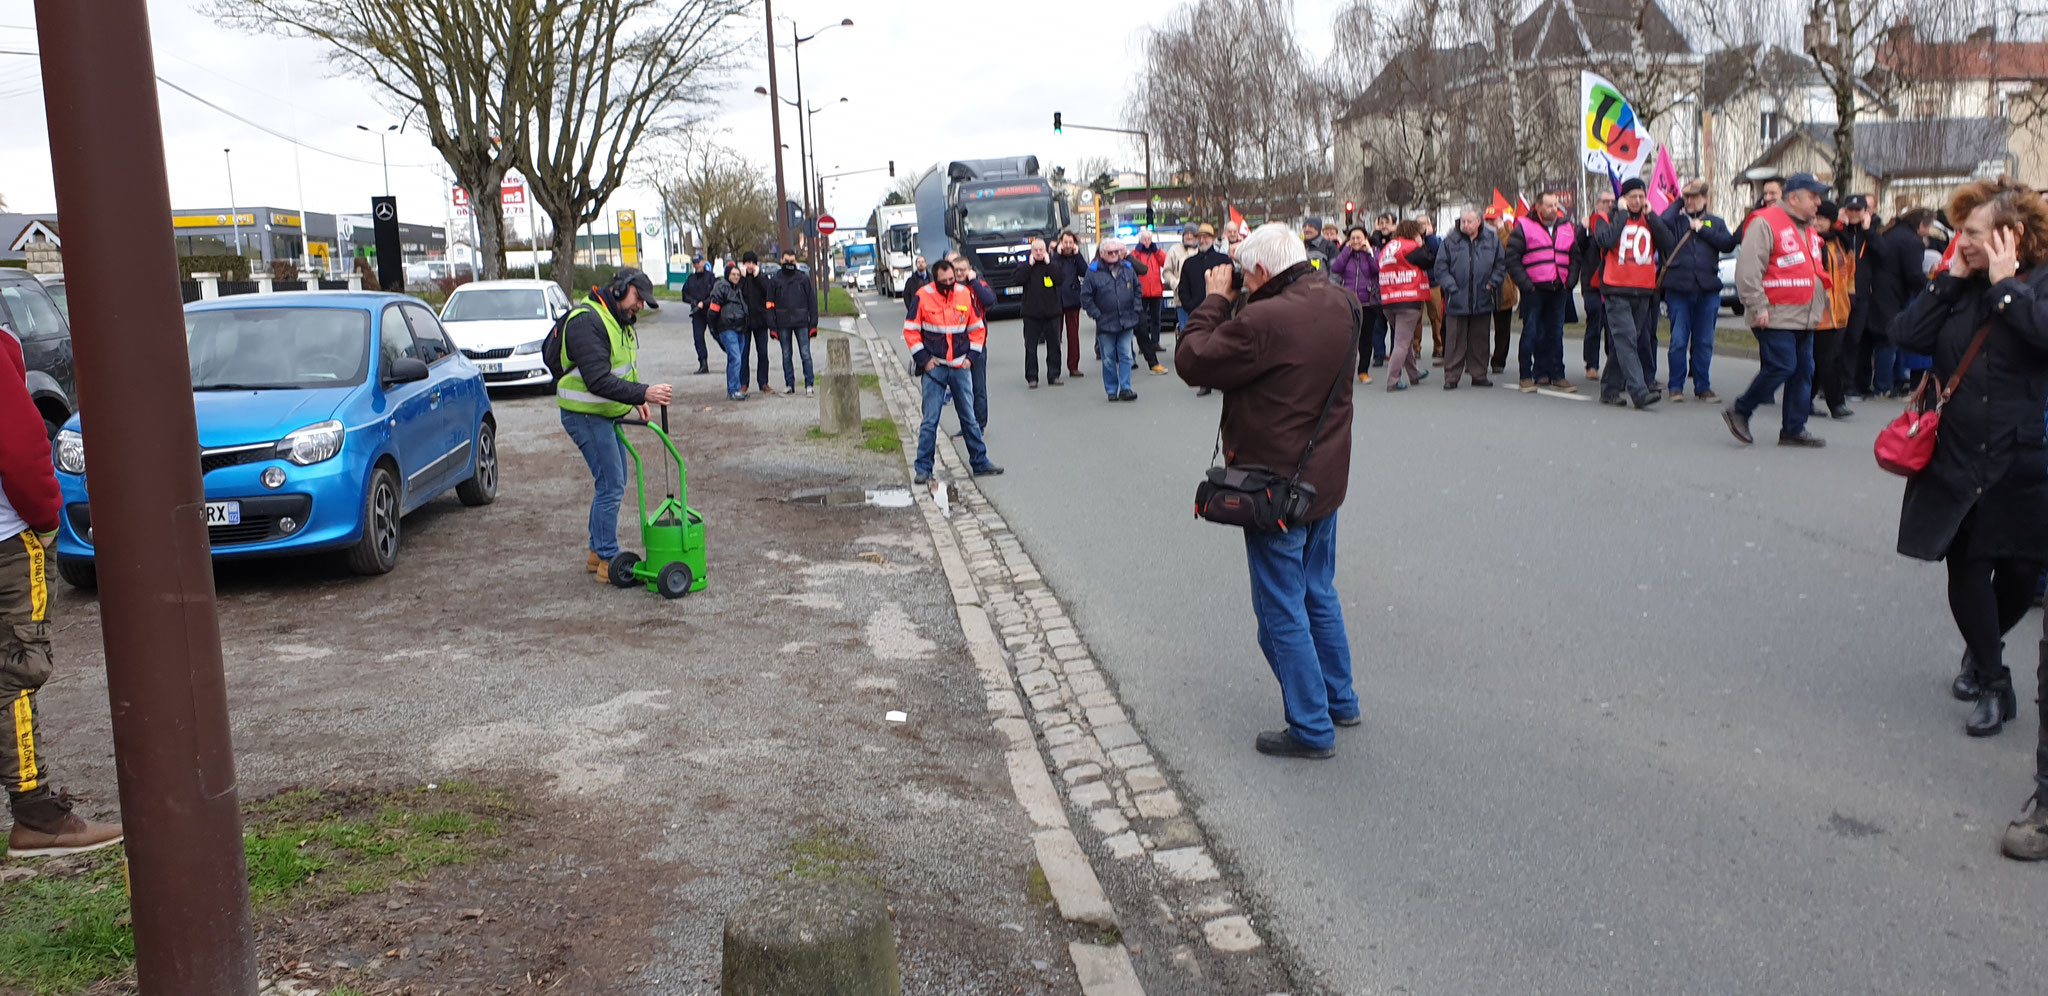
<point>230,267</point>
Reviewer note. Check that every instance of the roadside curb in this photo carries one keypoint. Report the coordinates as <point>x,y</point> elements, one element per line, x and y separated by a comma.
<point>1060,717</point>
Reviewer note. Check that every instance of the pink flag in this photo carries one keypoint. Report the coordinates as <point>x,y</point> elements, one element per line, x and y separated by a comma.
<point>1663,183</point>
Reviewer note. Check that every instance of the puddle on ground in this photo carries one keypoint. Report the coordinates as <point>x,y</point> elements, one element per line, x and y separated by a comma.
<point>884,496</point>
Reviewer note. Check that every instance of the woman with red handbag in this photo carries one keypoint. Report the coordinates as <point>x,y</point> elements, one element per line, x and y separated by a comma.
<point>1981,501</point>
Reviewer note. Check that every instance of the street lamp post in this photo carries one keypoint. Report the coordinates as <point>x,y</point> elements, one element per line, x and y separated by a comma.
<point>234,218</point>
<point>382,152</point>
<point>797,52</point>
<point>775,122</point>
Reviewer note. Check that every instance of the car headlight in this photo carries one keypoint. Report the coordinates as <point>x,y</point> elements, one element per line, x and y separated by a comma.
<point>70,451</point>
<point>525,348</point>
<point>312,444</point>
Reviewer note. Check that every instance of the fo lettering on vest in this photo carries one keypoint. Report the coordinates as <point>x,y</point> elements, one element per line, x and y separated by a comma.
<point>1632,263</point>
<point>1401,282</point>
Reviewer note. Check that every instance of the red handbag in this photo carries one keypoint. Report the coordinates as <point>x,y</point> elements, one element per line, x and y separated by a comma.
<point>1906,446</point>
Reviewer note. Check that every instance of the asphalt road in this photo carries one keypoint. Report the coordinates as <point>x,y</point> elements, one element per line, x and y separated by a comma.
<point>1645,711</point>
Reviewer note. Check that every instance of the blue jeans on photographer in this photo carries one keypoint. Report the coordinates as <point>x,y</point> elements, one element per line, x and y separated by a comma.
<point>936,383</point>
<point>734,342</point>
<point>1301,626</point>
<point>605,453</point>
<point>1117,349</point>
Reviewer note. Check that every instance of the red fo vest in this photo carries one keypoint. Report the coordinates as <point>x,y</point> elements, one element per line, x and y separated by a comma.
<point>1401,282</point>
<point>1632,263</point>
<point>1793,269</point>
<point>1547,259</point>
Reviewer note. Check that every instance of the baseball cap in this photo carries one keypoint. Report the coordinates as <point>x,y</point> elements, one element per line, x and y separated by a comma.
<point>630,277</point>
<point>1492,214</point>
<point>1805,181</point>
<point>1857,202</point>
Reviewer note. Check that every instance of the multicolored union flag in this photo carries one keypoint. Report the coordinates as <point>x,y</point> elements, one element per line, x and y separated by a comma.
<point>1614,142</point>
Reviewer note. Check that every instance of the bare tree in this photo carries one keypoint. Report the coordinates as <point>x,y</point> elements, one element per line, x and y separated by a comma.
<point>1871,53</point>
<point>716,192</point>
<point>608,74</point>
<point>464,67</point>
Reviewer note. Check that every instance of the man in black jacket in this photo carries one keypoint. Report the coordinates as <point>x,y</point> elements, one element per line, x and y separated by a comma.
<point>1194,274</point>
<point>696,294</point>
<point>754,287</point>
<point>1856,230</point>
<point>793,319</point>
<point>1692,288</point>
<point>920,275</point>
<point>1039,282</point>
<point>600,387</point>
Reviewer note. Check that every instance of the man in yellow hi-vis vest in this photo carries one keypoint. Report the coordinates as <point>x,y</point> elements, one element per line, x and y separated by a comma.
<point>598,347</point>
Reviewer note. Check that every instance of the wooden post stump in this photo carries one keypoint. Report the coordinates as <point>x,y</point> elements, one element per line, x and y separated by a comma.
<point>838,390</point>
<point>811,938</point>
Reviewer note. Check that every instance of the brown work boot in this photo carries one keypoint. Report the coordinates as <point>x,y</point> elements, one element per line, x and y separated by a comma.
<point>1564,386</point>
<point>603,572</point>
<point>591,565</point>
<point>48,828</point>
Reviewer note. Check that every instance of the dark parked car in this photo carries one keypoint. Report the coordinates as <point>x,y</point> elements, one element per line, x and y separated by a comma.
<point>26,307</point>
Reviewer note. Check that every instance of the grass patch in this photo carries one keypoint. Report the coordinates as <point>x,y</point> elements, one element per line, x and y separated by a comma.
<point>870,382</point>
<point>1038,890</point>
<point>839,303</point>
<point>825,853</point>
<point>880,435</point>
<point>67,928</point>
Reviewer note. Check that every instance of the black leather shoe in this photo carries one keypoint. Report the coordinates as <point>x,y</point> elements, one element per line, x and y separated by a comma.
<point>703,368</point>
<point>1348,721</point>
<point>1995,705</point>
<point>1840,413</point>
<point>1281,743</point>
<point>1738,425</point>
<point>1804,438</point>
<point>1964,688</point>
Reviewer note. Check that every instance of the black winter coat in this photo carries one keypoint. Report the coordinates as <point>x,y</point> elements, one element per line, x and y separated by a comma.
<point>1895,276</point>
<point>1471,272</point>
<point>1039,289</point>
<point>1991,451</point>
<point>731,300</point>
<point>1194,276</point>
<point>1072,270</point>
<point>795,300</point>
<point>1694,267</point>
<point>697,290</point>
<point>755,290</point>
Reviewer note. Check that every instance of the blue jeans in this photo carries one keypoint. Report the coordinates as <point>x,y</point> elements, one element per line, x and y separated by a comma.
<point>1117,349</point>
<point>1692,336</point>
<point>1788,363</point>
<point>939,380</point>
<point>800,340</point>
<point>1301,626</point>
<point>605,453</point>
<point>1543,334</point>
<point>734,342</point>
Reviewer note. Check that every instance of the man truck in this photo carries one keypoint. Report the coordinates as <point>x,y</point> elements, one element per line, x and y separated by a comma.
<point>987,210</point>
<point>896,230</point>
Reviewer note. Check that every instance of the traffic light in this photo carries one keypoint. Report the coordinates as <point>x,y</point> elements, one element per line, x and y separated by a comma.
<point>1056,123</point>
<point>1349,208</point>
<point>892,167</point>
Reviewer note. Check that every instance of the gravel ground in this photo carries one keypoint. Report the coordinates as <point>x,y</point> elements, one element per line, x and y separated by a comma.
<point>714,733</point>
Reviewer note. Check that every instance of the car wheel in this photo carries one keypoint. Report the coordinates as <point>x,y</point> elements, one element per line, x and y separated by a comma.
<point>79,574</point>
<point>674,580</point>
<point>377,551</point>
<point>482,487</point>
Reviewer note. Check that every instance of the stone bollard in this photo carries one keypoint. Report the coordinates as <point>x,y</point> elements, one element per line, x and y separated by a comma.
<point>838,390</point>
<point>811,938</point>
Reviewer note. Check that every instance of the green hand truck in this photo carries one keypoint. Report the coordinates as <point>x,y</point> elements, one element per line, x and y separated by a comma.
<point>672,532</point>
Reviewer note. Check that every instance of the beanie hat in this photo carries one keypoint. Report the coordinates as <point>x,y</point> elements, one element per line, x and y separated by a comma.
<point>1631,184</point>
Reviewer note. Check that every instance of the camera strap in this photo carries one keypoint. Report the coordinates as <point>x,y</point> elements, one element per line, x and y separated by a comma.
<point>1343,375</point>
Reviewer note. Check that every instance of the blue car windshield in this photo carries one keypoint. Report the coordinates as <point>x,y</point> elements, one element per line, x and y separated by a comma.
<point>243,349</point>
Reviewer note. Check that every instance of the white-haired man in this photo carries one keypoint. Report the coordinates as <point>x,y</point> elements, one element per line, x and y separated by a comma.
<point>1115,300</point>
<point>1278,362</point>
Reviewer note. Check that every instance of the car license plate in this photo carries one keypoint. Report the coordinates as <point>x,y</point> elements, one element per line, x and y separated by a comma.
<point>490,368</point>
<point>223,513</point>
<point>1012,290</point>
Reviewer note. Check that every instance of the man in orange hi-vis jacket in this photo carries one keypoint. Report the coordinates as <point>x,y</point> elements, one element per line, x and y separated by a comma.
<point>944,330</point>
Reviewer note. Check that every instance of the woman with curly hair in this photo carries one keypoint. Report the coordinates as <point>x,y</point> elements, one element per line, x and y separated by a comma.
<point>1981,504</point>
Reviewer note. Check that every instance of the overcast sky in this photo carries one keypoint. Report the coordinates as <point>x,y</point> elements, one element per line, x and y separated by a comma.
<point>980,81</point>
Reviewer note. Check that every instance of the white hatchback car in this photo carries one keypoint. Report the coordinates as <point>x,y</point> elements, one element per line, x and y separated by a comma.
<point>499,325</point>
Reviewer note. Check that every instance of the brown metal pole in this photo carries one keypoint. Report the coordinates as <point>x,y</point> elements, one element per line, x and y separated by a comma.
<point>172,751</point>
<point>775,118</point>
